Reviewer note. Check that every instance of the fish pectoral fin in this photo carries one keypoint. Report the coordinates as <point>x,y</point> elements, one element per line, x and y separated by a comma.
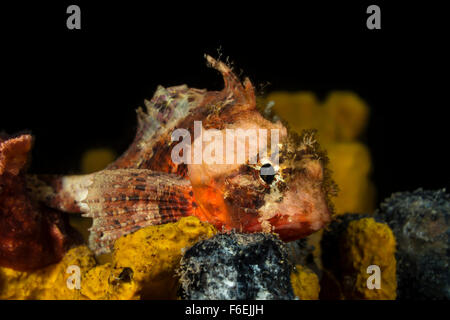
<point>123,201</point>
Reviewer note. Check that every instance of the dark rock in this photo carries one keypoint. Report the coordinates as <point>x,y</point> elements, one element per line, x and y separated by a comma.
<point>420,222</point>
<point>236,266</point>
<point>302,253</point>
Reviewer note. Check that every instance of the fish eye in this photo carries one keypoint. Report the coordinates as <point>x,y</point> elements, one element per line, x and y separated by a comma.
<point>267,173</point>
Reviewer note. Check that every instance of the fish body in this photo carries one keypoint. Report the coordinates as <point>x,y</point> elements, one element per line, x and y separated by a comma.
<point>146,187</point>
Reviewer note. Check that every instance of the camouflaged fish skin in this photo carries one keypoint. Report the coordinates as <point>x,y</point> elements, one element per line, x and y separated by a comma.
<point>144,186</point>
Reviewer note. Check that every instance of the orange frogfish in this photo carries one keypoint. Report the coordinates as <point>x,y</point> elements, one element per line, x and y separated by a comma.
<point>159,180</point>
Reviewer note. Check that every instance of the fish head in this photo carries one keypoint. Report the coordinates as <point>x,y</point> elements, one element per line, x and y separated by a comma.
<point>283,187</point>
<point>290,196</point>
<point>296,201</point>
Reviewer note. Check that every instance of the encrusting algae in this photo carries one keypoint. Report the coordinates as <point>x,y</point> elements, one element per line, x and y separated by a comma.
<point>143,267</point>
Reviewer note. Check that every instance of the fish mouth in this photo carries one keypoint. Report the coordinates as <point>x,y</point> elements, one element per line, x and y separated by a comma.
<point>291,228</point>
<point>286,231</point>
<point>302,212</point>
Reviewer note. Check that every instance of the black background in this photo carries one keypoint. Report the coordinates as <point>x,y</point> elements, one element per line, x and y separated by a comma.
<point>75,89</point>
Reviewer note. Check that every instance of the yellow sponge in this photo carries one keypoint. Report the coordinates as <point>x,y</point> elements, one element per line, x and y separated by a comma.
<point>365,243</point>
<point>351,166</point>
<point>154,253</point>
<point>349,115</point>
<point>49,283</point>
<point>305,283</point>
<point>143,267</point>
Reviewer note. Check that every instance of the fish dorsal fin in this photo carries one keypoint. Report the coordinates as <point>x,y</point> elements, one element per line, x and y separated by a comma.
<point>172,106</point>
<point>235,92</point>
<point>167,108</point>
